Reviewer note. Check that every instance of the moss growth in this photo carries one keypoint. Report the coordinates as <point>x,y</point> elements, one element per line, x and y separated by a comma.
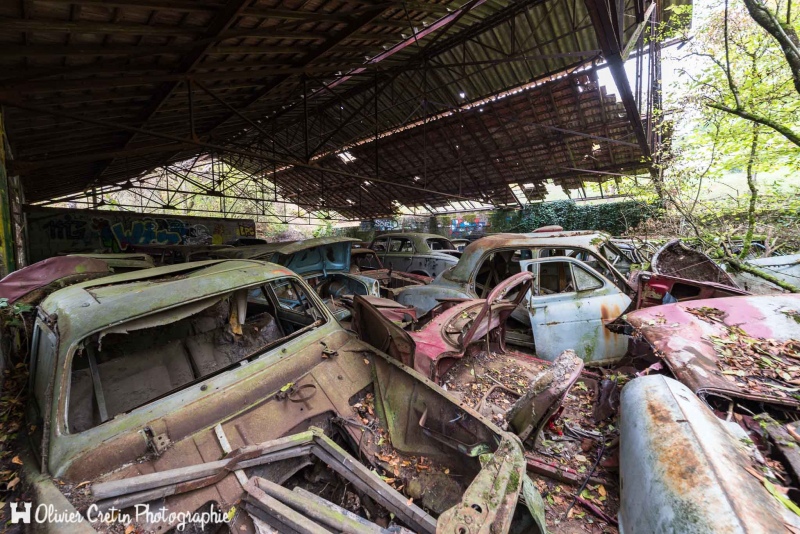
<point>513,483</point>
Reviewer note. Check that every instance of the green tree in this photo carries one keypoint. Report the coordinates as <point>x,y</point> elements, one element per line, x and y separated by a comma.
<point>737,110</point>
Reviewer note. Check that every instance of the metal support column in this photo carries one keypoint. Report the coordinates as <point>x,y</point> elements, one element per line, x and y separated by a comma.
<point>7,259</point>
<point>610,39</point>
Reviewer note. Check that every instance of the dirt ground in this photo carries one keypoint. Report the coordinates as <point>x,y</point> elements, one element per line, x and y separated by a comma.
<point>571,441</point>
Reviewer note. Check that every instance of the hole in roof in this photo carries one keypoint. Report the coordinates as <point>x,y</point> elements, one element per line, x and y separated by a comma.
<point>346,156</point>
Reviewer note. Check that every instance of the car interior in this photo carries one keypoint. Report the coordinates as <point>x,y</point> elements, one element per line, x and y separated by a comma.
<point>130,365</point>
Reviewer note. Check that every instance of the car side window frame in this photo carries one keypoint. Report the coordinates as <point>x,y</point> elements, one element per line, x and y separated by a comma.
<point>537,287</point>
<point>583,250</point>
<point>580,268</point>
<point>403,241</point>
<point>63,399</point>
<point>381,241</point>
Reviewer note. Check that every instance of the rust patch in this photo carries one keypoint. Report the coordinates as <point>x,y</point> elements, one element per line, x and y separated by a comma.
<point>682,339</point>
<point>609,312</point>
<point>659,413</point>
<point>684,469</point>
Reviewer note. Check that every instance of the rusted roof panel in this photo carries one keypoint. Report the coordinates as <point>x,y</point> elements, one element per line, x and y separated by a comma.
<point>143,64</point>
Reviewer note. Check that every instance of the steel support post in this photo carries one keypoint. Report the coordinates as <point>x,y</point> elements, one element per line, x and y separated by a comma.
<point>7,258</point>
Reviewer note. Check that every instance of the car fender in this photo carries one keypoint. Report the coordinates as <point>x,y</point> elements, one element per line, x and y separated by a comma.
<point>425,298</point>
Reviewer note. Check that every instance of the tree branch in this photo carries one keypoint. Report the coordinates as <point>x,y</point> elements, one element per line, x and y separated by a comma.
<point>781,32</point>
<point>741,266</point>
<point>751,183</point>
<point>727,68</point>
<point>769,123</point>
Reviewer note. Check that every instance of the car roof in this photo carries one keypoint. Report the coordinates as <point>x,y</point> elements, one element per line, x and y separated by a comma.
<point>588,239</point>
<point>297,246</point>
<point>411,235</point>
<point>284,247</point>
<point>89,306</point>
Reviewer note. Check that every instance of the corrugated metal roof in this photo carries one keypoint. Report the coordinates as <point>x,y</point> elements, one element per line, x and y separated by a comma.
<point>240,67</point>
<point>550,132</point>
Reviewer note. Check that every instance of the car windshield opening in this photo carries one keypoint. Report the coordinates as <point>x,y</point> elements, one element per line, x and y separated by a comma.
<point>135,363</point>
<point>498,266</point>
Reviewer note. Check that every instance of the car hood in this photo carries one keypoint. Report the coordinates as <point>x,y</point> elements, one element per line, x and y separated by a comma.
<point>697,337</point>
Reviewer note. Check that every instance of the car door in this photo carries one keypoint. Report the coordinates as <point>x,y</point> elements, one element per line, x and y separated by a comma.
<point>400,254</point>
<point>569,308</point>
<point>601,265</point>
<point>380,246</point>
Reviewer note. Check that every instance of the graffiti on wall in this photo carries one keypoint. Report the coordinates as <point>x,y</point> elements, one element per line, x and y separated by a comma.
<point>58,230</point>
<point>380,225</point>
<point>246,230</point>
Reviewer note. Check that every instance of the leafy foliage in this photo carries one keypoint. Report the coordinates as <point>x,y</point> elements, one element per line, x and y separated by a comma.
<point>734,74</point>
<point>12,314</point>
<point>733,112</point>
<point>615,217</point>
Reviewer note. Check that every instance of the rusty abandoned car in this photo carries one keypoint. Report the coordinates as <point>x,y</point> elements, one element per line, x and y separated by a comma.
<point>577,290</point>
<point>443,337</point>
<point>365,261</point>
<point>192,385</point>
<point>582,283</point>
<point>422,254</point>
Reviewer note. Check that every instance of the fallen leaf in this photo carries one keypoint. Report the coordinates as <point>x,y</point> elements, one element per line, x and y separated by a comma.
<point>12,483</point>
<point>782,498</point>
<point>601,490</point>
<point>16,460</point>
<point>130,528</point>
<point>366,361</point>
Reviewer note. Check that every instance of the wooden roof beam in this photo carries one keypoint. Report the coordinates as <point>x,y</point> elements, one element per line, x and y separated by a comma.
<point>222,21</point>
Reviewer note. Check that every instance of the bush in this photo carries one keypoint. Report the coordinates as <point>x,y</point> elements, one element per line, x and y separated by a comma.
<point>612,217</point>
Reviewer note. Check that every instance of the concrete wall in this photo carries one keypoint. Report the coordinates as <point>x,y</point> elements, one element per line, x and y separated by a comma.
<point>55,230</point>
